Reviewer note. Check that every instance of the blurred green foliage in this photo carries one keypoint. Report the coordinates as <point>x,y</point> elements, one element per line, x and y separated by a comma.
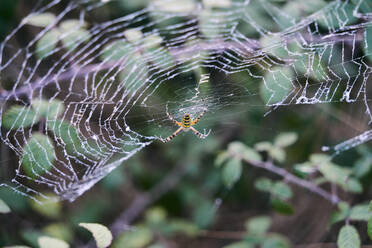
<point>217,168</point>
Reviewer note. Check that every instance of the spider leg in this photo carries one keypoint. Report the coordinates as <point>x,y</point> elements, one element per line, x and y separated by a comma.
<point>177,132</point>
<point>196,120</point>
<point>200,135</point>
<point>170,117</point>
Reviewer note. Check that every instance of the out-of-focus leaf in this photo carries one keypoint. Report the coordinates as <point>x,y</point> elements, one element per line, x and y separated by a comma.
<point>232,171</point>
<point>263,184</point>
<point>117,50</point>
<point>4,208</point>
<point>137,238</point>
<point>185,227</point>
<point>263,146</point>
<point>342,213</point>
<point>47,43</point>
<point>363,165</point>
<point>221,158</point>
<point>47,207</point>
<point>175,6</point>
<point>353,185</point>
<point>319,158</point>
<point>204,214</point>
<point>101,234</point>
<point>369,227</point>
<point>277,154</point>
<point>31,236</point>
<point>41,20</point>
<point>338,16</point>
<point>59,231</point>
<point>133,35</point>
<point>282,207</point>
<point>258,225</point>
<point>38,155</point>
<point>277,85</point>
<point>48,109</point>
<point>18,116</point>
<point>348,237</point>
<point>281,190</point>
<point>217,3</point>
<point>285,139</point>
<point>304,169</point>
<point>276,241</point>
<point>48,242</point>
<point>243,151</point>
<point>360,212</point>
<point>72,37</point>
<point>156,215</point>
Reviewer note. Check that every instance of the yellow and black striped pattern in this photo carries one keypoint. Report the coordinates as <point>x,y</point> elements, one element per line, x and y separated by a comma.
<point>186,121</point>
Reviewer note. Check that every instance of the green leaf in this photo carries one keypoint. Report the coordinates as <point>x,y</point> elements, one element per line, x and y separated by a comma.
<point>185,227</point>
<point>221,158</point>
<point>277,154</point>
<point>38,155</point>
<point>47,43</point>
<point>18,116</point>
<point>342,213</point>
<point>263,184</point>
<point>348,237</point>
<point>47,207</point>
<point>48,109</point>
<point>360,212</point>
<point>31,236</point>
<point>276,241</point>
<point>304,169</point>
<point>133,35</point>
<point>41,20</point>
<point>277,85</point>
<point>258,225</point>
<point>319,158</point>
<point>74,33</point>
<point>59,231</point>
<point>101,234</point>
<point>263,146</point>
<point>334,173</point>
<point>217,3</point>
<point>117,50</point>
<point>281,190</point>
<point>175,6</point>
<point>285,139</point>
<point>204,214</point>
<point>137,238</point>
<point>369,227</point>
<point>243,151</point>
<point>282,207</point>
<point>47,242</point>
<point>362,166</point>
<point>232,172</point>
<point>353,185</point>
<point>156,215</point>
<point>4,208</point>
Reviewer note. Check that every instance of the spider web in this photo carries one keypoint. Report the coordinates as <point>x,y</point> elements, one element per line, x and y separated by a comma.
<point>77,94</point>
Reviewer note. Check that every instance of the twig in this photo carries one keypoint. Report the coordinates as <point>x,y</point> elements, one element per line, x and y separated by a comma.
<point>141,202</point>
<point>288,177</point>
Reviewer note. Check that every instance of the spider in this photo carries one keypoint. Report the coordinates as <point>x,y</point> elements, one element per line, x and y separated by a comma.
<point>185,125</point>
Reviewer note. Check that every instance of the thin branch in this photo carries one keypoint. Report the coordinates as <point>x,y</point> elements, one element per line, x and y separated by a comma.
<point>288,177</point>
<point>141,202</point>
